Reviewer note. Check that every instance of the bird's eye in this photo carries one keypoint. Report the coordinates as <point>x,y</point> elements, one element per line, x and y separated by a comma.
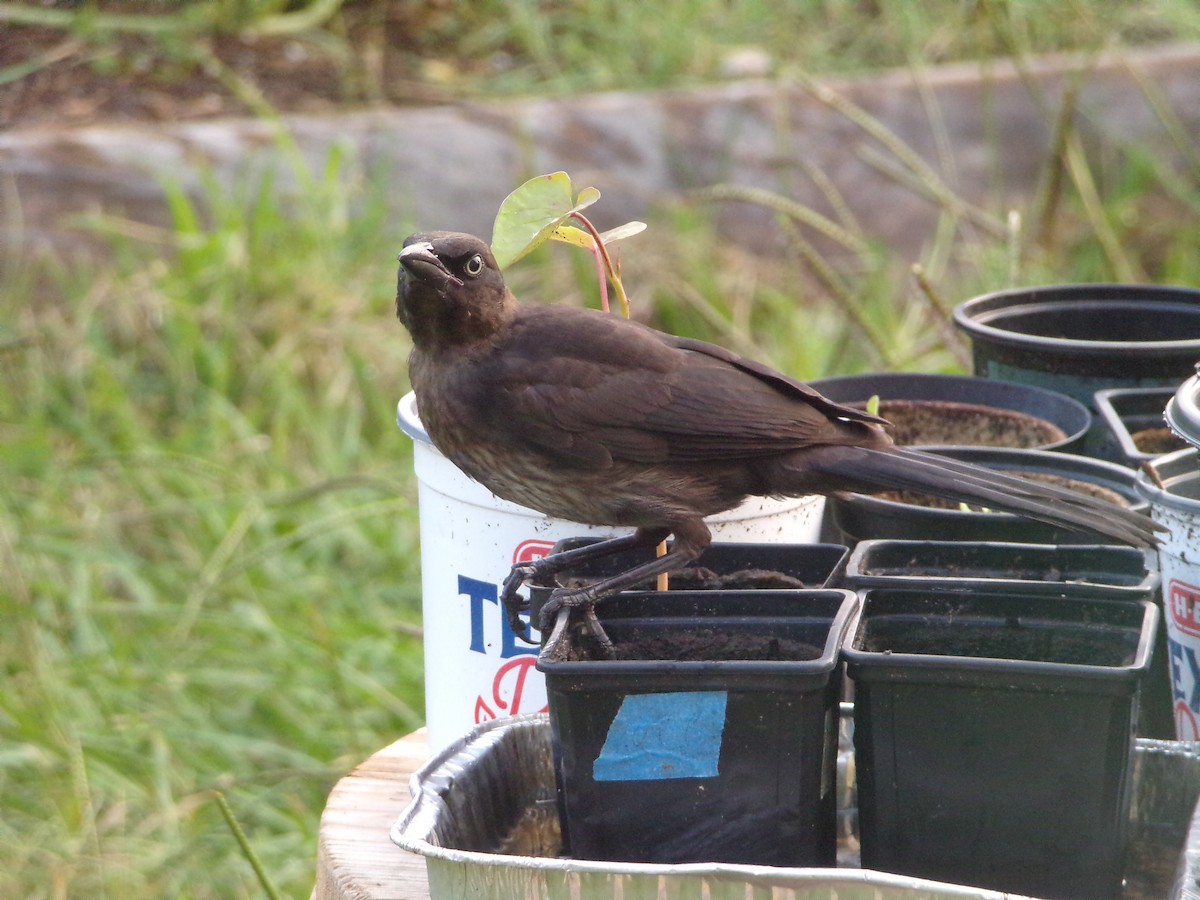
<point>474,265</point>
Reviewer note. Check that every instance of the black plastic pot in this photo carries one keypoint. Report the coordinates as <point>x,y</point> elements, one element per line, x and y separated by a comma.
<point>994,737</point>
<point>705,758</point>
<point>1067,414</point>
<point>1126,412</point>
<point>1081,338</point>
<point>722,565</point>
<point>860,517</point>
<point>1086,571</point>
<point>1091,571</point>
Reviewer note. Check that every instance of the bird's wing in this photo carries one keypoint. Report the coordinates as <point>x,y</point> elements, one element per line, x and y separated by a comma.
<point>592,388</point>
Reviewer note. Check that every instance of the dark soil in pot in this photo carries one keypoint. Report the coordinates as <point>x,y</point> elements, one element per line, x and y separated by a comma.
<point>1157,441</point>
<point>701,578</point>
<point>716,645</point>
<point>960,410</point>
<point>936,422</point>
<point>1083,487</point>
<point>862,516</point>
<point>1134,428</point>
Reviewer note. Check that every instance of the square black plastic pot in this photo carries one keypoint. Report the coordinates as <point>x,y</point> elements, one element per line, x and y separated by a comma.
<point>1092,571</point>
<point>702,758</point>
<point>1086,571</point>
<point>994,737</point>
<point>752,565</point>
<point>1127,411</point>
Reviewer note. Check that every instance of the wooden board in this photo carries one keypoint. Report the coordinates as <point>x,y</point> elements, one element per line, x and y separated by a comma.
<point>356,860</point>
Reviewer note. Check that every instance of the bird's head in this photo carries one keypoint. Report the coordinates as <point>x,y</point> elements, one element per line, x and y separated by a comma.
<point>449,290</point>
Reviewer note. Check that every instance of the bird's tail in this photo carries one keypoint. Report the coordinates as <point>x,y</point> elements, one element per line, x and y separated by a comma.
<point>902,468</point>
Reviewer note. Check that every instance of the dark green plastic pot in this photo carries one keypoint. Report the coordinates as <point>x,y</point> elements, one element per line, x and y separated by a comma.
<point>994,737</point>
<point>1125,412</point>
<point>1091,571</point>
<point>1081,338</point>
<point>859,517</point>
<point>723,564</point>
<point>1067,414</point>
<point>690,752</point>
<point>1084,571</point>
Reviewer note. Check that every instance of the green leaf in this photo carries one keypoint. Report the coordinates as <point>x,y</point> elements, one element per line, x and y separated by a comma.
<point>629,229</point>
<point>586,198</point>
<point>530,214</point>
<point>569,234</point>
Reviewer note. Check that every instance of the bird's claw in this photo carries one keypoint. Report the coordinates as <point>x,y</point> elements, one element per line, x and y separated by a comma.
<point>514,603</point>
<point>513,582</point>
<point>564,598</point>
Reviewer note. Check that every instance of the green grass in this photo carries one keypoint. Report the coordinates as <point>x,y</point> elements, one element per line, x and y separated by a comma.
<point>208,574</point>
<point>400,50</point>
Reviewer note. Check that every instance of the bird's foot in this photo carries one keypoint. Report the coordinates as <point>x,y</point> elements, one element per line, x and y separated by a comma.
<point>514,603</point>
<point>513,582</point>
<point>591,625</point>
<point>587,634</point>
<point>568,598</point>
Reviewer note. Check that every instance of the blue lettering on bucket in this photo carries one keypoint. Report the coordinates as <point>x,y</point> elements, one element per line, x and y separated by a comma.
<point>663,736</point>
<point>478,592</point>
<point>1185,674</point>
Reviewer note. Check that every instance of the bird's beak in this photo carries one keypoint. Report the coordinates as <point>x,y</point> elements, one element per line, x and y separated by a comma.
<point>421,261</point>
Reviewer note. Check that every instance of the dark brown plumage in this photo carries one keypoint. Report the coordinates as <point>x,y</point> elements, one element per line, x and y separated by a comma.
<point>584,415</point>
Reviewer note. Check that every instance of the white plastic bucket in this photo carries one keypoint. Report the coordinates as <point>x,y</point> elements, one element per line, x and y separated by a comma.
<point>475,668</point>
<point>1176,505</point>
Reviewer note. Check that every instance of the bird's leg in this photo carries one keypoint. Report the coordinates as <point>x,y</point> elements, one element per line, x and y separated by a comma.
<point>548,566</point>
<point>592,626</point>
<point>692,538</point>
<point>587,630</point>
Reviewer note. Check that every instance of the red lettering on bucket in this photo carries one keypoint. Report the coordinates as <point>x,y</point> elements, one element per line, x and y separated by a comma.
<point>528,551</point>
<point>1183,603</point>
<point>1186,728</point>
<point>509,682</point>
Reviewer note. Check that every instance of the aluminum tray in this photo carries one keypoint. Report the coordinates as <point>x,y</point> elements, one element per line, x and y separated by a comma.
<point>496,786</point>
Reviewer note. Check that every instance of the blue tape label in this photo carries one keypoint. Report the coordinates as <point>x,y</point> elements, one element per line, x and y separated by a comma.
<point>662,736</point>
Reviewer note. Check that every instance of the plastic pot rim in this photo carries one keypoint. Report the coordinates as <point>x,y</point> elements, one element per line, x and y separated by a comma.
<point>1180,467</point>
<point>840,625</point>
<point>967,313</point>
<point>893,665</point>
<point>1067,405</point>
<point>965,454</point>
<point>862,579</point>
<point>1111,417</point>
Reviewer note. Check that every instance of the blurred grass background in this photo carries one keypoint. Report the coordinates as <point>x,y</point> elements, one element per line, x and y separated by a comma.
<point>208,533</point>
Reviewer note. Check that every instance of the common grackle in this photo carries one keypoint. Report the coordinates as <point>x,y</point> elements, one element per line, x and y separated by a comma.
<point>597,419</point>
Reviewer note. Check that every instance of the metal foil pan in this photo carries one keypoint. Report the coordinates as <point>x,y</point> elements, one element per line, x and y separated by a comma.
<point>484,818</point>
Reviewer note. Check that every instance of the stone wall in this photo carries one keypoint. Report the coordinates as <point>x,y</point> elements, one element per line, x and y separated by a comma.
<point>449,167</point>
